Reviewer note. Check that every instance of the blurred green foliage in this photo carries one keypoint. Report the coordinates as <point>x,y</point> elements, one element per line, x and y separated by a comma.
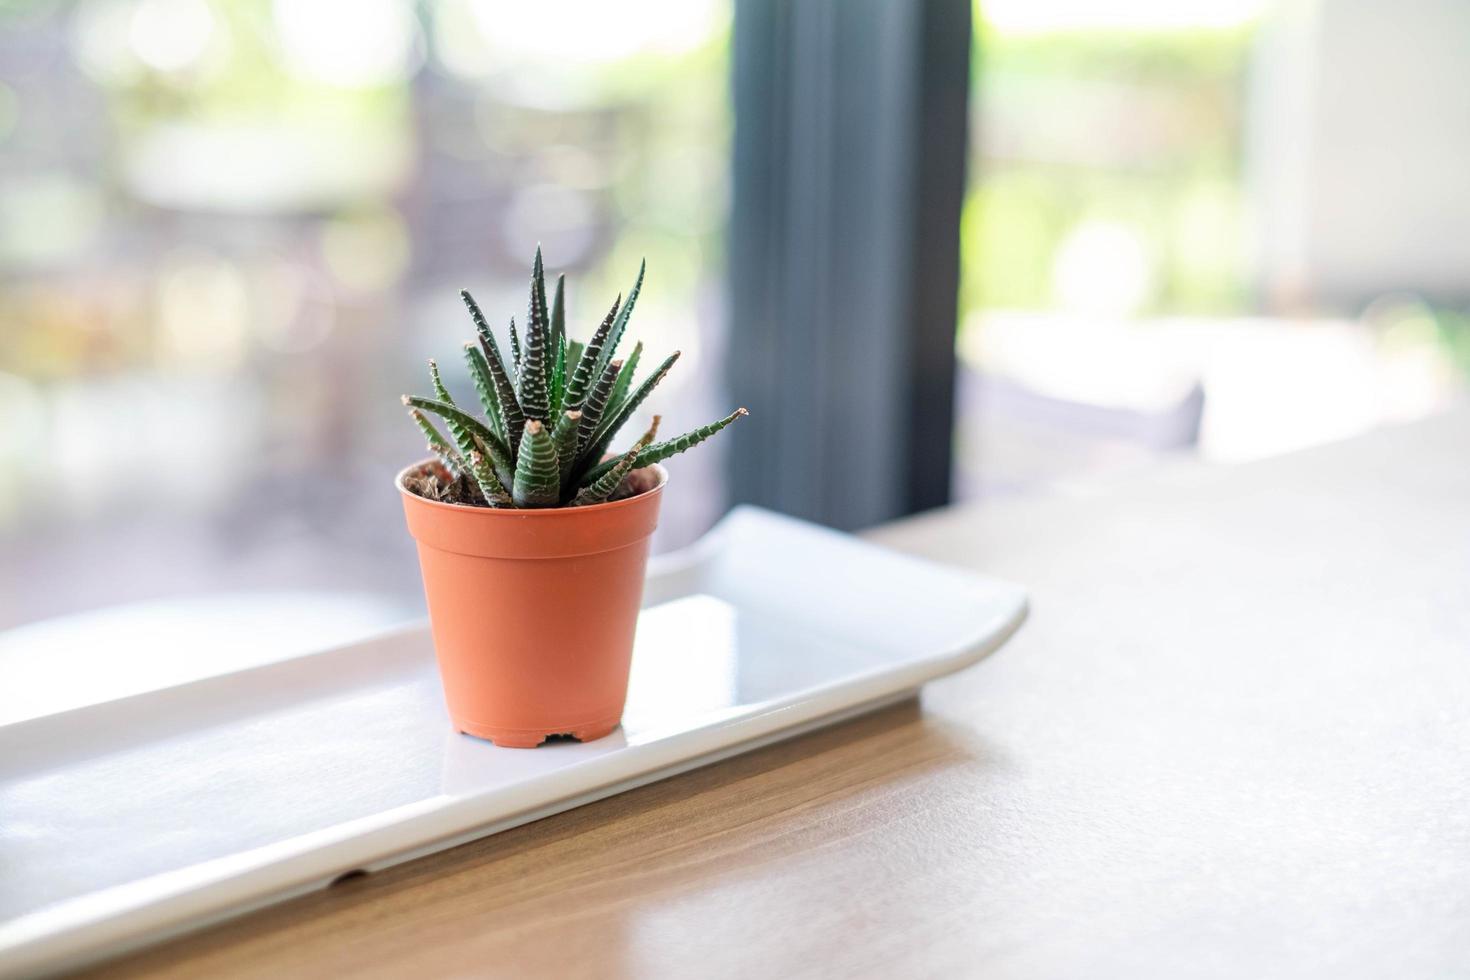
<point>1136,129</point>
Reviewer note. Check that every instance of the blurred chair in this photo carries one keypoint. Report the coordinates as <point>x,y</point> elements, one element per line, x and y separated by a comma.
<point>1025,440</point>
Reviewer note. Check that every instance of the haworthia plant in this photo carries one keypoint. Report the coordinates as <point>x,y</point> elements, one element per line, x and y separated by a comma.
<point>550,411</point>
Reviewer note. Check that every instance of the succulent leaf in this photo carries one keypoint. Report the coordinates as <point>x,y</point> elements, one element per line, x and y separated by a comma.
<point>537,355</point>
<point>606,485</point>
<point>612,421</point>
<point>436,439</point>
<point>489,483</point>
<point>557,334</point>
<point>534,392</point>
<point>621,323</point>
<point>558,311</point>
<point>663,450</point>
<point>537,479</point>
<point>438,445</point>
<point>515,351</point>
<point>512,418</point>
<point>466,431</point>
<point>559,378</point>
<point>440,392</point>
<point>565,438</point>
<point>453,417</point>
<point>538,318</point>
<point>625,378</point>
<point>501,461</point>
<point>582,374</point>
<point>595,405</point>
<point>459,431</point>
<point>484,387</point>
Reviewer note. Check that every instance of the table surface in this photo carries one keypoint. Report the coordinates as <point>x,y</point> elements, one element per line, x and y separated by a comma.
<point>1232,740</point>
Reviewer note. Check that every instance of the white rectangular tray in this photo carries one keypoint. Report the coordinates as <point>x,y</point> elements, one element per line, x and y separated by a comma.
<point>135,819</point>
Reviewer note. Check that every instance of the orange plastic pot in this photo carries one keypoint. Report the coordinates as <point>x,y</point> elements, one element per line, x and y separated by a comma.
<point>533,611</point>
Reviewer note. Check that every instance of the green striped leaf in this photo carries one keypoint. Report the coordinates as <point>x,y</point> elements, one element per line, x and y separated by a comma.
<point>564,436</point>
<point>459,431</point>
<point>515,351</point>
<point>489,483</point>
<point>501,461</point>
<point>537,481</point>
<point>436,439</point>
<point>625,378</point>
<point>621,323</point>
<point>438,445</point>
<point>559,348</point>
<point>484,387</point>
<point>608,428</point>
<point>601,489</point>
<point>595,405</point>
<point>662,451</point>
<point>582,374</point>
<point>558,311</point>
<point>559,378</point>
<point>512,418</point>
<point>452,417</point>
<point>469,434</point>
<point>534,386</point>
<point>440,391</point>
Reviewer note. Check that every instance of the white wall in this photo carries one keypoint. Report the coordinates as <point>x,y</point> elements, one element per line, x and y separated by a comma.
<point>1359,151</point>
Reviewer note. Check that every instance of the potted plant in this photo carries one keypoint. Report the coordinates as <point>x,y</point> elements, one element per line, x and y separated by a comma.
<point>532,538</point>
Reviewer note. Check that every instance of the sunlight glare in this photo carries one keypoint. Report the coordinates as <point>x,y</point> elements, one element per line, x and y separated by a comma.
<point>350,43</point>
<point>1047,16</point>
<point>170,35</point>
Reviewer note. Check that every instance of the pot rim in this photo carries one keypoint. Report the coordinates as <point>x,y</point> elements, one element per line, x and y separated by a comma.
<point>541,513</point>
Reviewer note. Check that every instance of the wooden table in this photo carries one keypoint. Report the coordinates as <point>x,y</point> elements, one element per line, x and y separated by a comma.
<point>1233,740</point>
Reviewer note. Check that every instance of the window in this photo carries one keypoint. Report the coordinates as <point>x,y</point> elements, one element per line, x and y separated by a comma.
<point>1147,180</point>
<point>230,230</point>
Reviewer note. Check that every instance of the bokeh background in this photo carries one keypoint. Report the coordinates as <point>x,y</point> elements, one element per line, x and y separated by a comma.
<point>231,231</point>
